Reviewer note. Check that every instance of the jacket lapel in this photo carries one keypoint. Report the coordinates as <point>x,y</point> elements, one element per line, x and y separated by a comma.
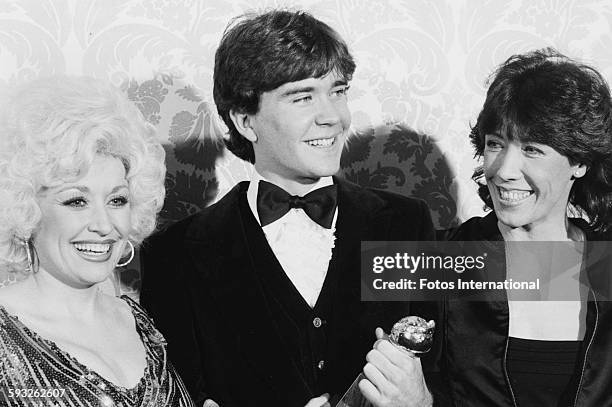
<point>351,226</point>
<point>356,211</point>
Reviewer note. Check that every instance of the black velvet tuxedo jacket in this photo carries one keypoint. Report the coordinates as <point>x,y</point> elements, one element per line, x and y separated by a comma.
<point>203,286</point>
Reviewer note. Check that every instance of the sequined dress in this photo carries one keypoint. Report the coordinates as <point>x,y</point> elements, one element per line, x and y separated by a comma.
<point>35,372</point>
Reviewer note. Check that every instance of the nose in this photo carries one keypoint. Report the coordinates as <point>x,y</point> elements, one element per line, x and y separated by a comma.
<point>509,164</point>
<point>100,222</point>
<point>328,113</point>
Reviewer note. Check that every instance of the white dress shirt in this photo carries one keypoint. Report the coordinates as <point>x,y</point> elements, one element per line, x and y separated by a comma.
<point>302,247</point>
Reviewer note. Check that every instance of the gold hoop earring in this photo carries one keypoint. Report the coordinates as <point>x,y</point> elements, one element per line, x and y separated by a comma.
<point>125,263</point>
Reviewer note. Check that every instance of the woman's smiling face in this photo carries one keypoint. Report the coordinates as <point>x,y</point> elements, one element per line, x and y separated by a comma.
<point>529,183</point>
<point>85,224</point>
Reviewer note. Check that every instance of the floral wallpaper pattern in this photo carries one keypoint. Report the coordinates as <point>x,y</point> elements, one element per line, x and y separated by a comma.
<point>419,83</point>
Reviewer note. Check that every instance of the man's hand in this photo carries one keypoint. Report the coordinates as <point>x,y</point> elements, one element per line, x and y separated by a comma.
<point>394,376</point>
<point>321,401</point>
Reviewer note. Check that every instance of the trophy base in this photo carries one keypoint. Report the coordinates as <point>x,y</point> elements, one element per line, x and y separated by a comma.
<point>353,396</point>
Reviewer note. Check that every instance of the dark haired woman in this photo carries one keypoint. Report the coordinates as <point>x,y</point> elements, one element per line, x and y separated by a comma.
<point>545,136</point>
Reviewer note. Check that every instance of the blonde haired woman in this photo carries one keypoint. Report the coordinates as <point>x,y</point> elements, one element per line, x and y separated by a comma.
<point>81,183</point>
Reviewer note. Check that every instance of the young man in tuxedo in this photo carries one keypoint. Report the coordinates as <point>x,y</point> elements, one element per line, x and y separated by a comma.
<point>258,295</point>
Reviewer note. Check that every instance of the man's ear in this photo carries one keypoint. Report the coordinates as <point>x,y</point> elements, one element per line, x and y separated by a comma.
<point>242,122</point>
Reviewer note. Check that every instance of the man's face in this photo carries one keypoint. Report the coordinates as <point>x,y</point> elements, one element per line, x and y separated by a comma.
<point>300,130</point>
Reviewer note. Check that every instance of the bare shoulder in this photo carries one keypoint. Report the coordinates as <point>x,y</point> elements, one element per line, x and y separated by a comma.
<point>16,298</point>
<point>118,309</point>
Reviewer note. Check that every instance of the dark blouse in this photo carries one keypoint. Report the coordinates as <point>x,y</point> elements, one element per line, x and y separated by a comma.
<point>35,372</point>
<point>540,371</point>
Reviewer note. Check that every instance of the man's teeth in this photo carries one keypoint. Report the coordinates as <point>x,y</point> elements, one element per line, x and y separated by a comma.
<point>513,195</point>
<point>95,248</point>
<point>322,142</point>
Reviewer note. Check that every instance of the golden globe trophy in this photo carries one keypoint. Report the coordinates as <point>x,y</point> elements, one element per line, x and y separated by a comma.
<point>412,334</point>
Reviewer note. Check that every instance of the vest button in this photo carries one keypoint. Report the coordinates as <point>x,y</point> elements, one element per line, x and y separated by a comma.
<point>321,364</point>
<point>317,322</point>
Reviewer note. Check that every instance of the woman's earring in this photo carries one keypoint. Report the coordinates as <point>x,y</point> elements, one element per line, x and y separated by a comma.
<point>30,256</point>
<point>125,263</point>
<point>579,172</point>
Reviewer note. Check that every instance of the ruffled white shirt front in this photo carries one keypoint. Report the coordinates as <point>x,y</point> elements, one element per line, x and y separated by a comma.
<point>302,247</point>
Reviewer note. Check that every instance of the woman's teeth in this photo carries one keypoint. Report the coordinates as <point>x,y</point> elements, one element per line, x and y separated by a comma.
<point>322,142</point>
<point>93,248</point>
<point>513,196</point>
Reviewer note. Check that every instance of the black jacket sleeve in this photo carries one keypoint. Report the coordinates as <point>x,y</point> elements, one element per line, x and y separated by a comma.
<point>165,295</point>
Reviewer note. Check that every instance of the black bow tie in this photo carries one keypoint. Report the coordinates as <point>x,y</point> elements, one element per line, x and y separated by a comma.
<point>274,202</point>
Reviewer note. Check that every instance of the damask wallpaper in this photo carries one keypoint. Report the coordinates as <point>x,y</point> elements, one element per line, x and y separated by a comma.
<point>419,83</point>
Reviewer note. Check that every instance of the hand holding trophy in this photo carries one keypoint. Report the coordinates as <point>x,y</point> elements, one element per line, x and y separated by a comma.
<point>393,374</point>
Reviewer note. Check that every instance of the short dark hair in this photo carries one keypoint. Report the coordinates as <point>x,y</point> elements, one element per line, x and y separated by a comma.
<point>545,97</point>
<point>260,52</point>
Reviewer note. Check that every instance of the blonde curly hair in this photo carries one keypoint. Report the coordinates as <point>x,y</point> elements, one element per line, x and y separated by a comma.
<point>51,129</point>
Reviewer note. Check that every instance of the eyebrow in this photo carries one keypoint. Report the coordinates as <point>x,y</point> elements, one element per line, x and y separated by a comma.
<point>307,89</point>
<point>85,190</point>
<point>294,91</point>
